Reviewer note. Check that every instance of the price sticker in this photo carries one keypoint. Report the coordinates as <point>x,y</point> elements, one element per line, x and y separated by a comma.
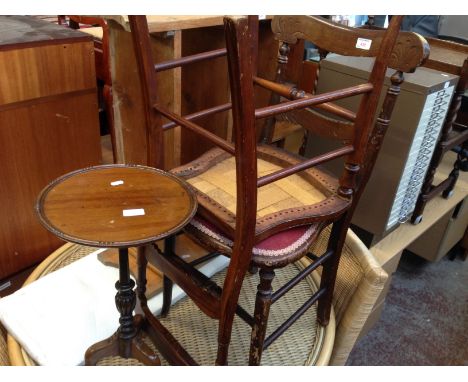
<point>363,43</point>
<point>134,212</point>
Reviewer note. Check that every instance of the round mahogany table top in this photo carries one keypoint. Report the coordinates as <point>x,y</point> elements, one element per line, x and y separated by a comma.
<point>116,205</point>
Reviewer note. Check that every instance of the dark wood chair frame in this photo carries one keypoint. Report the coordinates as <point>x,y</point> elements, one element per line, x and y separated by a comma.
<point>362,143</point>
<point>453,136</point>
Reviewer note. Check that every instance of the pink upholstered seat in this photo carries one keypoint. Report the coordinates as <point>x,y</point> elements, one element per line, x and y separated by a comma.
<point>283,247</point>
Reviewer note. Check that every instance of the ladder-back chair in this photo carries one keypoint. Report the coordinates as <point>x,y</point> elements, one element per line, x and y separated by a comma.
<point>260,205</point>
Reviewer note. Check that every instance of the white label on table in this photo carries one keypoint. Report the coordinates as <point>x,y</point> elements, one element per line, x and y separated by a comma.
<point>134,212</point>
<point>363,43</point>
<point>117,183</point>
<point>446,85</point>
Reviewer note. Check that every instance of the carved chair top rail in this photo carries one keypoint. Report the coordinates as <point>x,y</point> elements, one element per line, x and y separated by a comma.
<point>449,57</point>
<point>456,48</point>
<point>409,52</point>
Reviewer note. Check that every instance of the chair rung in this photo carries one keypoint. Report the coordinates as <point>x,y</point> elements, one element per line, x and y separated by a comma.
<point>284,107</point>
<point>220,142</point>
<point>306,271</point>
<point>198,286</point>
<point>200,114</point>
<point>285,172</point>
<point>240,311</point>
<point>291,92</point>
<point>312,257</point>
<point>246,317</point>
<point>213,289</point>
<point>291,320</point>
<point>168,345</point>
<point>207,257</point>
<point>436,190</point>
<point>171,64</point>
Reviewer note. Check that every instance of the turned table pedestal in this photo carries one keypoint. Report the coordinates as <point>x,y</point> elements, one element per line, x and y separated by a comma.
<point>118,206</point>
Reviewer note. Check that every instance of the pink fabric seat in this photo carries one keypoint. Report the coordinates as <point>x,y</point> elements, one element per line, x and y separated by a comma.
<point>275,249</point>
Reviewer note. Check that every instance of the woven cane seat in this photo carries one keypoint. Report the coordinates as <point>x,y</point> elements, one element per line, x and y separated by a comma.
<point>296,198</point>
<point>306,343</point>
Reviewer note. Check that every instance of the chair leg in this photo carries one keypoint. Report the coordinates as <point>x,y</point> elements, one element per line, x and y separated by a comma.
<point>330,268</point>
<point>262,311</point>
<point>453,176</point>
<point>169,245</point>
<point>253,269</point>
<point>142,262</point>
<point>108,101</point>
<point>167,296</point>
<point>229,299</point>
<point>224,333</point>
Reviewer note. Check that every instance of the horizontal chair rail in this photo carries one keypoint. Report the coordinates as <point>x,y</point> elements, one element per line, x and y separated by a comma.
<point>169,263</point>
<point>455,140</point>
<point>460,151</point>
<point>200,114</point>
<point>291,320</point>
<point>284,107</point>
<point>168,345</point>
<point>225,145</point>
<point>240,311</point>
<point>205,258</point>
<point>285,172</point>
<point>436,190</point>
<point>171,64</point>
<point>291,92</point>
<point>246,317</point>
<point>211,289</point>
<point>296,280</point>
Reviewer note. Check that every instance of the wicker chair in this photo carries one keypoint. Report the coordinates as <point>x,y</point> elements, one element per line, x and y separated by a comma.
<point>4,359</point>
<point>359,283</point>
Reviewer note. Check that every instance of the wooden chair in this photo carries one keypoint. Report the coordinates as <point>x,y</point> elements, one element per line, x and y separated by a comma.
<point>98,28</point>
<point>448,57</point>
<point>236,215</point>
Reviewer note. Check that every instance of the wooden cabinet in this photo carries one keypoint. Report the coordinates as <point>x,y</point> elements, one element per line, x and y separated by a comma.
<point>183,90</point>
<point>48,127</point>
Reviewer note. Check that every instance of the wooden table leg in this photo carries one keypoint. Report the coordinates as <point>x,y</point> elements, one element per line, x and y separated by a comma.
<point>127,342</point>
